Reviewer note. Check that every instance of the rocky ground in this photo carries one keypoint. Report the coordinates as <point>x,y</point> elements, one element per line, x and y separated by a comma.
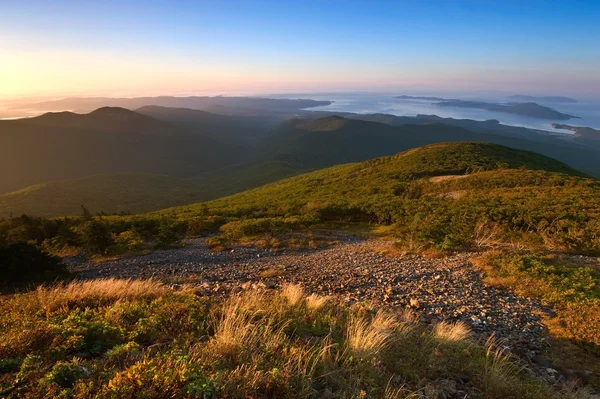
<point>439,289</point>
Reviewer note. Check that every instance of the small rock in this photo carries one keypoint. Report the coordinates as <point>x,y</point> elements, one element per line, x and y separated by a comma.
<point>270,284</point>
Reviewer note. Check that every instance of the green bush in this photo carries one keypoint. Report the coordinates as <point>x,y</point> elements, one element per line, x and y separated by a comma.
<point>199,226</point>
<point>65,374</point>
<point>122,352</point>
<point>126,241</point>
<point>254,227</point>
<point>95,236</point>
<point>9,366</point>
<point>23,263</point>
<point>81,332</point>
<point>167,236</point>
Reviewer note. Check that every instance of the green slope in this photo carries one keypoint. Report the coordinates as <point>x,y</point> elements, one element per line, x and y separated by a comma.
<point>357,182</point>
<point>445,195</point>
<point>108,193</point>
<point>296,146</point>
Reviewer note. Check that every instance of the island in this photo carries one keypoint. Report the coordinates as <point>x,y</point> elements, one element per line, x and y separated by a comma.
<point>532,110</point>
<point>550,99</point>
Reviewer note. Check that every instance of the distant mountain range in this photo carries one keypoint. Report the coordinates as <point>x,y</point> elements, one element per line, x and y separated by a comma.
<point>115,160</point>
<point>219,104</point>
<point>59,146</point>
<point>529,109</point>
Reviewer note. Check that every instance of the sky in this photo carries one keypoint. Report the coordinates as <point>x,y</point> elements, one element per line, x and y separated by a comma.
<point>132,48</point>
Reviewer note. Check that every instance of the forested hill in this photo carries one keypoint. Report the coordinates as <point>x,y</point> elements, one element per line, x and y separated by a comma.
<point>59,146</point>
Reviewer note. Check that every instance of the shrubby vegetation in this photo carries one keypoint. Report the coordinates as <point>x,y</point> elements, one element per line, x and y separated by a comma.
<point>573,290</point>
<point>140,339</point>
<point>443,196</point>
<point>23,263</point>
<point>101,235</point>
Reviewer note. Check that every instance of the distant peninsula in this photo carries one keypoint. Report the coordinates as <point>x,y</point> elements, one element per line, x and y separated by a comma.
<point>532,110</point>
<point>582,132</point>
<point>529,109</point>
<point>550,99</point>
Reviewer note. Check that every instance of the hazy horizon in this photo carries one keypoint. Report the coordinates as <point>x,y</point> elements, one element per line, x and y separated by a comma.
<point>133,48</point>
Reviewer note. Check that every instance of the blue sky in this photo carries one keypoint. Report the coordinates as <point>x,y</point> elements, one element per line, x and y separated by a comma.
<point>151,47</point>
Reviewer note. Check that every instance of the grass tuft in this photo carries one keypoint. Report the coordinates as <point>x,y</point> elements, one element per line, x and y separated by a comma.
<point>293,293</point>
<point>451,332</point>
<point>315,302</point>
<point>367,338</point>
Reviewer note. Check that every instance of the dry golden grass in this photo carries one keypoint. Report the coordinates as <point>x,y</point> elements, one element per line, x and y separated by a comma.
<point>408,316</point>
<point>451,332</point>
<point>236,327</point>
<point>366,338</point>
<point>293,293</point>
<point>97,291</point>
<point>271,272</point>
<point>437,179</point>
<point>403,248</point>
<point>315,302</point>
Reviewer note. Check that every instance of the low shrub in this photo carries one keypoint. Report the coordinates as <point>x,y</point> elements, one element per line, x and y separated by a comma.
<point>23,263</point>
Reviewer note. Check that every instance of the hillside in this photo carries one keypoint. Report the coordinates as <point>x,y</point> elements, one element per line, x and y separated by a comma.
<point>442,198</point>
<point>105,119</point>
<point>443,195</point>
<point>578,155</point>
<point>116,193</point>
<point>212,171</point>
<point>550,99</point>
<point>109,140</point>
<point>240,128</point>
<point>318,143</point>
<point>357,182</point>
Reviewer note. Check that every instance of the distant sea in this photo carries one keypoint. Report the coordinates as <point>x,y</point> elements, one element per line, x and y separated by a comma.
<point>588,110</point>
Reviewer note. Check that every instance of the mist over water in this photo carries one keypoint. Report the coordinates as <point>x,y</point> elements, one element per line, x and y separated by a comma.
<point>588,110</point>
